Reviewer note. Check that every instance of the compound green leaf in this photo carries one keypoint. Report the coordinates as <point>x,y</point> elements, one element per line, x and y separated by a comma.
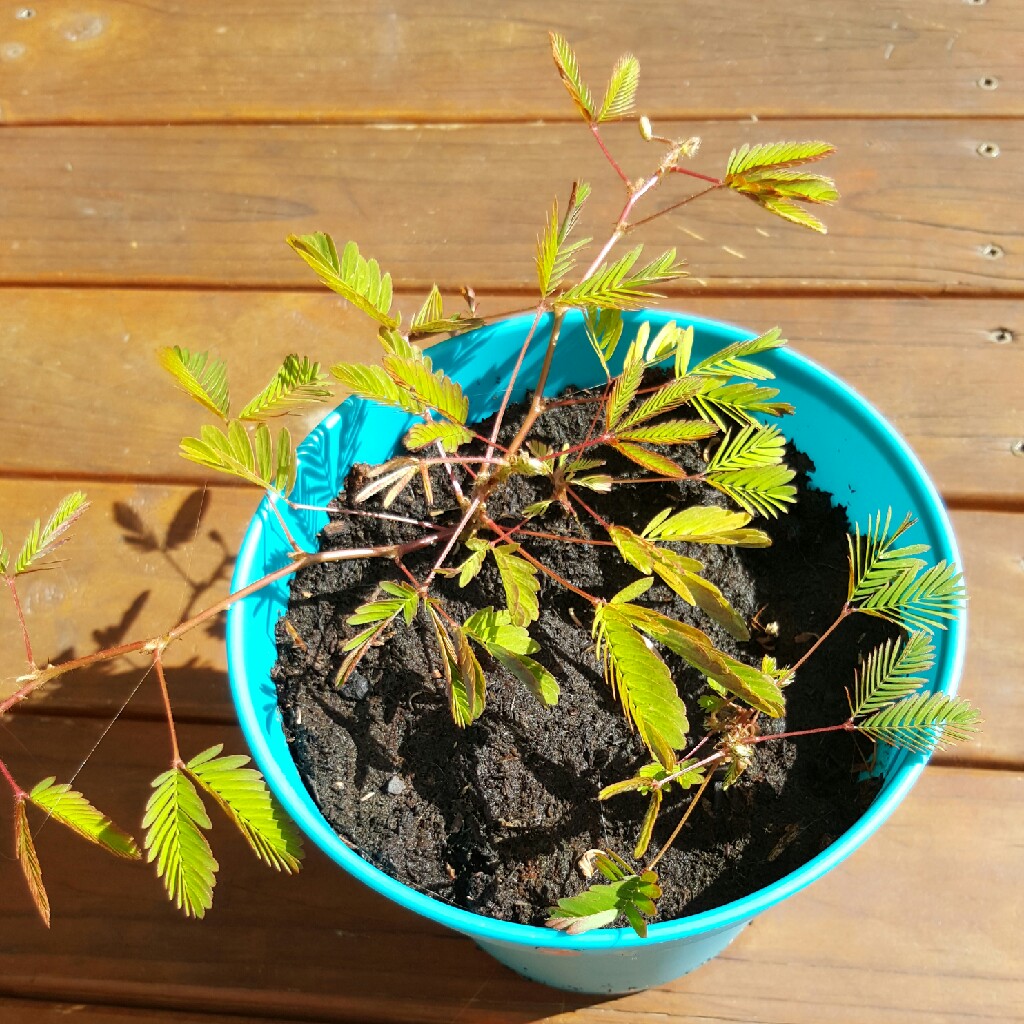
<point>184,862</point>
<point>203,378</point>
<point>74,811</point>
<point>296,383</point>
<point>243,795</point>
<point>44,540</point>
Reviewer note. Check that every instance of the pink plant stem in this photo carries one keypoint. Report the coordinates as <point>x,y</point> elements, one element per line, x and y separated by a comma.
<point>676,169</point>
<point>159,666</point>
<point>39,676</point>
<point>11,586</point>
<point>523,553</point>
<point>674,206</point>
<point>846,726</point>
<point>586,508</point>
<point>608,156</point>
<point>19,793</point>
<point>506,398</point>
<point>847,610</point>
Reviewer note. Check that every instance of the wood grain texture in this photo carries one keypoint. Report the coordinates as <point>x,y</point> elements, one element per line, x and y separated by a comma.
<point>106,577</point>
<point>240,60</point>
<point>85,397</point>
<point>208,206</point>
<point>48,1011</point>
<point>868,943</point>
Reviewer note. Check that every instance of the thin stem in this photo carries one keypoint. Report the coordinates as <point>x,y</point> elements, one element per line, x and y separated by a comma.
<point>335,527</point>
<point>9,580</point>
<point>586,508</point>
<point>159,666</point>
<point>563,539</point>
<point>506,398</point>
<point>608,156</point>
<point>523,553</point>
<point>710,759</point>
<point>592,442</point>
<point>847,610</point>
<point>682,822</point>
<point>846,726</point>
<point>19,793</point>
<point>537,405</point>
<point>677,169</point>
<point>273,498</point>
<point>674,206</point>
<point>44,675</point>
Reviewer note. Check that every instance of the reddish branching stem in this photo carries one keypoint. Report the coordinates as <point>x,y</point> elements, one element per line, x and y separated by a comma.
<point>159,666</point>
<point>12,587</point>
<point>19,793</point>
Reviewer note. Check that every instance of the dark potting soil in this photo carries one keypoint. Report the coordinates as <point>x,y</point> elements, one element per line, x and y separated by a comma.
<point>495,817</point>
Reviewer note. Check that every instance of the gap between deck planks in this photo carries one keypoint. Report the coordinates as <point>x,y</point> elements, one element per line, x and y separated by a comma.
<point>200,205</point>
<point>244,61</point>
<point>872,940</point>
<point>104,578</point>
<point>85,397</point>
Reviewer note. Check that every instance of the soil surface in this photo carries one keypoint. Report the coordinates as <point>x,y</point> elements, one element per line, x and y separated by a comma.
<point>495,817</point>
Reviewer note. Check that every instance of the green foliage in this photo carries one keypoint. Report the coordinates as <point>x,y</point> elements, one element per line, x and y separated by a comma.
<point>891,672</point>
<point>354,278</point>
<point>619,285</point>
<point>642,682</point>
<point>5,558</point>
<point>764,173</point>
<point>251,457</point>
<point>44,540</point>
<point>555,255</point>
<point>695,647</point>
<point>510,646</point>
<point>381,614</point>
<point>431,319</point>
<point>296,382</point>
<point>732,361</point>
<point>467,686</point>
<point>243,795</point>
<point>621,91</point>
<point>28,861</point>
<point>569,72</point>
<point>74,811</point>
<point>682,576</point>
<point>891,583</point>
<point>626,894</point>
<point>705,524</point>
<point>375,383</point>
<point>174,819</point>
<point>434,390</point>
<point>738,403</point>
<point>653,780</point>
<point>655,462</point>
<point>200,376</point>
<point>519,579</point>
<point>922,723</point>
<point>667,398</point>
<point>748,468</point>
<point>603,329</point>
<point>451,436</point>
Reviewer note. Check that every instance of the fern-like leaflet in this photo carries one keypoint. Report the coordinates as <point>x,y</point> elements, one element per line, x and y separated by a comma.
<point>296,382</point>
<point>555,254</point>
<point>200,376</point>
<point>354,278</point>
<point>619,285</point>
<point>625,894</point>
<point>174,820</point>
<point>75,812</point>
<point>243,795</point>
<point>922,723</point>
<point>249,457</point>
<point>28,861</point>
<point>44,540</point>
<point>748,468</point>
<point>892,671</point>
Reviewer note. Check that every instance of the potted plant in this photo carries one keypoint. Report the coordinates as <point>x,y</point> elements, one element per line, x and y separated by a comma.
<point>670,407</point>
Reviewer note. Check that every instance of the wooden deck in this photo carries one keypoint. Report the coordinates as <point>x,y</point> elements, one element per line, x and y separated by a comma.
<point>155,155</point>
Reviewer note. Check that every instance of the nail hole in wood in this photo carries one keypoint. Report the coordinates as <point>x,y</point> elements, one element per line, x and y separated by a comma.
<point>988,82</point>
<point>991,251</point>
<point>1018,447</point>
<point>1001,335</point>
<point>24,14</point>
<point>989,149</point>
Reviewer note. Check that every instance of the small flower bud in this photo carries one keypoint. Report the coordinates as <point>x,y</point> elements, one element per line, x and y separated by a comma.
<point>645,128</point>
<point>691,145</point>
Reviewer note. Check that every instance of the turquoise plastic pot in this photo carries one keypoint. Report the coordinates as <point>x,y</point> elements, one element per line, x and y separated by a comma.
<point>859,458</point>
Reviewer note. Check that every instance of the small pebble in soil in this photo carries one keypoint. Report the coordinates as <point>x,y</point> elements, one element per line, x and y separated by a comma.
<point>396,785</point>
<point>356,687</point>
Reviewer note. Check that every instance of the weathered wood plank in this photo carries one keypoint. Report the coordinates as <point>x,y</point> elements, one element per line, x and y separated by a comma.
<point>47,1011</point>
<point>870,942</point>
<point>84,394</point>
<point>211,205</point>
<point>104,574</point>
<point>239,60</point>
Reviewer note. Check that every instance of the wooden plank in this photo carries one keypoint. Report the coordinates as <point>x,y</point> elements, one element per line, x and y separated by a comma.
<point>211,205</point>
<point>84,395</point>
<point>104,574</point>
<point>238,60</point>
<point>873,941</point>
<point>46,1011</point>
